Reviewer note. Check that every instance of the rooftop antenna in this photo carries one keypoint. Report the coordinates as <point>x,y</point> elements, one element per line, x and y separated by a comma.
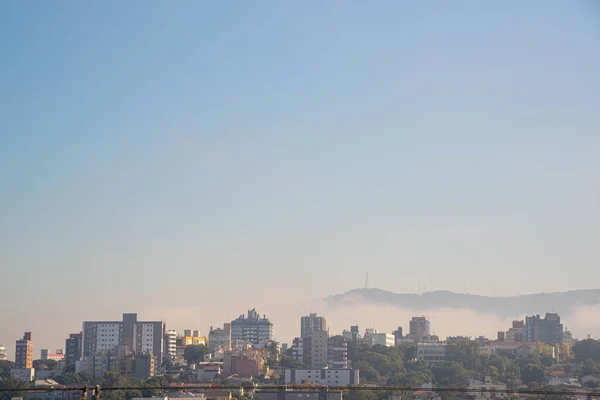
<point>367,281</point>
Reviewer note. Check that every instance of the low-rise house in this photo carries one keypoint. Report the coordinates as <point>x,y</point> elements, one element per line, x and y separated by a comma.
<point>486,389</point>
<point>208,372</point>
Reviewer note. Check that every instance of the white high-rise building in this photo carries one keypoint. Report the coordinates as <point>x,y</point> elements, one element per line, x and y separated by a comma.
<point>138,336</point>
<point>171,344</point>
<point>251,329</point>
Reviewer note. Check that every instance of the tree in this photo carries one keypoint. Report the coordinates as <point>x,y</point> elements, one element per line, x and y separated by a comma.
<point>512,375</point>
<point>465,353</point>
<point>450,374</point>
<point>585,349</point>
<point>532,373</point>
<point>45,364</point>
<point>12,383</point>
<point>5,367</point>
<point>194,354</point>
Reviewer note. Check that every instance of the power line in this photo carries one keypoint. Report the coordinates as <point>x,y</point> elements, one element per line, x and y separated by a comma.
<point>266,388</point>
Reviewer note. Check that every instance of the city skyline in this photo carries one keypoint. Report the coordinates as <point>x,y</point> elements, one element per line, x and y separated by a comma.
<point>178,160</point>
<point>448,323</point>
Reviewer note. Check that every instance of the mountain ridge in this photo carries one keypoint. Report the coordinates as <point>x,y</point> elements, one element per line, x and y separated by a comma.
<point>563,303</point>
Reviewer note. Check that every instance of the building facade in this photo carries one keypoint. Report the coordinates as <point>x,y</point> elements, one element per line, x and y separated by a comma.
<point>251,328</point>
<point>326,377</point>
<point>73,348</point>
<point>58,355</point>
<point>310,323</point>
<point>139,336</point>
<point>374,337</point>
<point>320,351</point>
<point>2,353</point>
<point>431,352</point>
<point>170,346</point>
<point>419,327</point>
<point>219,338</point>
<point>547,330</point>
<point>24,352</point>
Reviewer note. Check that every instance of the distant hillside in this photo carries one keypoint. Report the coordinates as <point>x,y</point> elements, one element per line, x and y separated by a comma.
<point>562,302</point>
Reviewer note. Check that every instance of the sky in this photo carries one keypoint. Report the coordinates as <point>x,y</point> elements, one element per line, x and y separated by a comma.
<point>191,160</point>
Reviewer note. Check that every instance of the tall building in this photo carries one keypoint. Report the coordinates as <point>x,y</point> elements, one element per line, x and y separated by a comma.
<point>24,352</point>
<point>58,355</point>
<point>139,336</point>
<point>73,348</point>
<point>2,352</point>
<point>310,323</point>
<point>251,328</point>
<point>337,353</point>
<point>171,344</point>
<point>219,338</point>
<point>547,330</point>
<point>320,351</point>
<point>419,328</point>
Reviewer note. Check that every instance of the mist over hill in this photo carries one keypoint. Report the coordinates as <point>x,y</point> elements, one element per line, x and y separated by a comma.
<point>564,303</point>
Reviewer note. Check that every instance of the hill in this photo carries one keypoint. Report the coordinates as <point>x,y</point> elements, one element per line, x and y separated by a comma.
<point>563,303</point>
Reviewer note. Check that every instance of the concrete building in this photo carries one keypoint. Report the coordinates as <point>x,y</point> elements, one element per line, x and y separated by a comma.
<point>243,363</point>
<point>58,355</point>
<point>326,377</point>
<point>516,333</point>
<point>139,336</point>
<point>315,349</point>
<point>140,366</point>
<point>419,327</point>
<point>23,374</point>
<point>337,353</point>
<point>2,352</point>
<point>310,323</point>
<point>374,337</point>
<point>170,346</point>
<point>24,352</point>
<point>99,363</point>
<point>251,328</point>
<point>291,394</point>
<point>511,349</point>
<point>547,330</point>
<point>431,352</point>
<point>353,334</point>
<point>485,389</point>
<point>219,338</point>
<point>320,351</point>
<point>191,337</point>
<point>73,348</point>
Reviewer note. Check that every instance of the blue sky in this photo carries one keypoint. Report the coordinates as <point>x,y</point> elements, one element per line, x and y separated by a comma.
<point>163,148</point>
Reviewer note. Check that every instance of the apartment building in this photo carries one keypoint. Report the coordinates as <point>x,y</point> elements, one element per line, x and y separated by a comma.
<point>290,394</point>
<point>320,351</point>
<point>170,346</point>
<point>419,327</point>
<point>24,352</point>
<point>310,323</point>
<point>2,352</point>
<point>251,328</point>
<point>139,336</point>
<point>547,330</point>
<point>58,355</point>
<point>326,377</point>
<point>374,337</point>
<point>219,338</point>
<point>73,348</point>
<point>431,352</point>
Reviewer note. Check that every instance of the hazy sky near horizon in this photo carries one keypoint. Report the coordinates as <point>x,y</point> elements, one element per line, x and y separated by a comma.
<point>159,154</point>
